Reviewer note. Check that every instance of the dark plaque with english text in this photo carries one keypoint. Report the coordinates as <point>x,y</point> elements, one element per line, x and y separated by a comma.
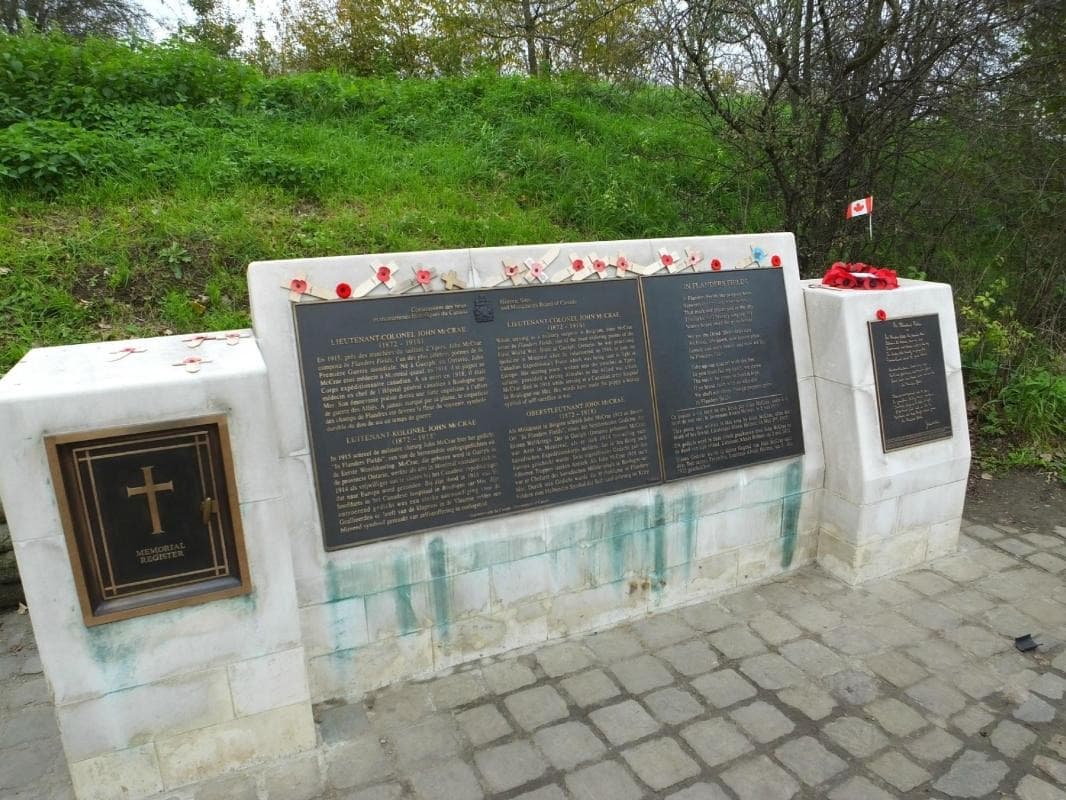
<point>912,387</point>
<point>430,410</point>
<point>723,369</point>
<point>151,517</point>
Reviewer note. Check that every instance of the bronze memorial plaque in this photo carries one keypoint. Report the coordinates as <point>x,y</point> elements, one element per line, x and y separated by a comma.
<point>912,386</point>
<point>429,410</point>
<point>151,516</point>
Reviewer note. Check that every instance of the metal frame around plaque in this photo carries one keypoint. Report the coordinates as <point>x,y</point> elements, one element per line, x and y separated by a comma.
<point>86,532</point>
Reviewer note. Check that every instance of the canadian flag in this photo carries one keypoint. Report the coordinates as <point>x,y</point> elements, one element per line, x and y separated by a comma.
<point>860,208</point>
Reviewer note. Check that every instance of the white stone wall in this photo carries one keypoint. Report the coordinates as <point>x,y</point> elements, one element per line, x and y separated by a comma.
<point>164,700</point>
<point>882,512</point>
<point>373,614</point>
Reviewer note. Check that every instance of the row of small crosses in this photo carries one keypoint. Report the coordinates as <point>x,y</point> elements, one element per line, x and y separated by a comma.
<point>532,270</point>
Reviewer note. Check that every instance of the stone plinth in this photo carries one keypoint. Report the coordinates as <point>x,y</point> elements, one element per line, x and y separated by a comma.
<point>882,511</point>
<point>168,699</point>
<point>382,612</point>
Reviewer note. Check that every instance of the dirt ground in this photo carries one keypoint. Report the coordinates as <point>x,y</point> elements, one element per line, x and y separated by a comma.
<point>1027,499</point>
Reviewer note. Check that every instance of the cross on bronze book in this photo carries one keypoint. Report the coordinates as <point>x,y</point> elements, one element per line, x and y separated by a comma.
<point>149,490</point>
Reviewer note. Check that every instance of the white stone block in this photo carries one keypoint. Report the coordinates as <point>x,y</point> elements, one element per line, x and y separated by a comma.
<point>350,674</point>
<point>932,506</point>
<point>340,625</point>
<point>858,563</point>
<point>716,574</point>
<point>130,717</point>
<point>597,607</point>
<point>744,526</point>
<point>599,518</point>
<point>131,774</point>
<point>399,611</point>
<point>269,682</point>
<point>515,582</point>
<point>859,524</point>
<point>700,495</point>
<point>462,595</point>
<point>943,538</point>
<point>205,753</point>
<point>482,636</point>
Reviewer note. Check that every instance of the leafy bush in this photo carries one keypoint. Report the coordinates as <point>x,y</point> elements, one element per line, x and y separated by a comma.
<point>49,75</point>
<point>46,154</point>
<point>1034,402</point>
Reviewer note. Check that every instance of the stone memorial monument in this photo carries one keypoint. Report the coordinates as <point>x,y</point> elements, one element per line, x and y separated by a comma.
<point>419,459</point>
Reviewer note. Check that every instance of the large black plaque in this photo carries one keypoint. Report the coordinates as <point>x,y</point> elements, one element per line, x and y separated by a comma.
<point>430,410</point>
<point>151,516</point>
<point>912,387</point>
<point>723,368</point>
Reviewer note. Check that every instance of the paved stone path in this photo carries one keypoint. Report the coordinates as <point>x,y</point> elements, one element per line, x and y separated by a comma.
<point>803,687</point>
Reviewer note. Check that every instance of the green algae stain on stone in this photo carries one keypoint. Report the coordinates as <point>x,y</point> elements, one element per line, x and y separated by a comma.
<point>115,649</point>
<point>405,611</point>
<point>790,511</point>
<point>658,544</point>
<point>438,570</point>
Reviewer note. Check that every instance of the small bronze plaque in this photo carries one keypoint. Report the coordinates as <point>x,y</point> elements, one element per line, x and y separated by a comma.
<point>151,517</point>
<point>911,379</point>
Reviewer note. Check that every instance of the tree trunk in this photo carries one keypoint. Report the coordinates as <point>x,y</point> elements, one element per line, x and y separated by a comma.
<point>529,28</point>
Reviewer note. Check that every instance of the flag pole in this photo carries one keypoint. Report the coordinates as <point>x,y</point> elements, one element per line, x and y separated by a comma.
<point>871,217</point>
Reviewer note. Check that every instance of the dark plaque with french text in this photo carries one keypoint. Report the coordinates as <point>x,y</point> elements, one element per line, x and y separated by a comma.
<point>151,516</point>
<point>912,386</point>
<point>723,370</point>
<point>430,410</point>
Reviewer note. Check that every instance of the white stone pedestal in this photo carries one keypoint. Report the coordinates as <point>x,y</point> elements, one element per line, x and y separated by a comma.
<point>172,698</point>
<point>882,512</point>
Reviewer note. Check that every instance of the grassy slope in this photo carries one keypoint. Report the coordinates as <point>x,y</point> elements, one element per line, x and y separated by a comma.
<point>152,228</point>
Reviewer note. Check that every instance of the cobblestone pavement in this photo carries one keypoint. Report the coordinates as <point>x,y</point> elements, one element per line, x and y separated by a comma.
<point>803,687</point>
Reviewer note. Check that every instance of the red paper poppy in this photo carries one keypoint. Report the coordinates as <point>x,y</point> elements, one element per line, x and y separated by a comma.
<point>693,259</point>
<point>716,264</point>
<point>298,285</point>
<point>510,270</point>
<point>577,265</point>
<point>599,265</point>
<point>536,269</point>
<point>775,261</point>
<point>423,276</point>
<point>191,360</point>
<point>622,263</point>
<point>384,274</point>
<point>344,291</point>
<point>881,315</point>
<point>667,259</point>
